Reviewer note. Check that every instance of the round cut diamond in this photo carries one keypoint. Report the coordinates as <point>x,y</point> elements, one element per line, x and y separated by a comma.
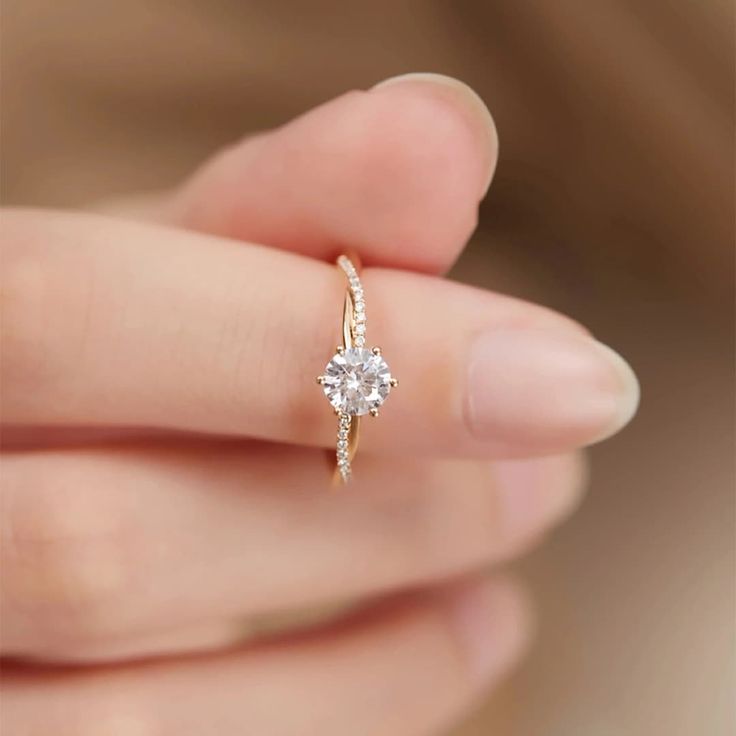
<point>356,381</point>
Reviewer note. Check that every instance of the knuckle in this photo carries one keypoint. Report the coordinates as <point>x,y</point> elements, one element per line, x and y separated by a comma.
<point>68,562</point>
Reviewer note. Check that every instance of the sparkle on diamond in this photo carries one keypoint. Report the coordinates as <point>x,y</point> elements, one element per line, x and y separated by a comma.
<point>357,381</point>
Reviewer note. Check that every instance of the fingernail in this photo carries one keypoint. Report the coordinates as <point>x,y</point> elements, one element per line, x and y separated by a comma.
<point>491,621</point>
<point>535,493</point>
<point>547,389</point>
<point>478,114</point>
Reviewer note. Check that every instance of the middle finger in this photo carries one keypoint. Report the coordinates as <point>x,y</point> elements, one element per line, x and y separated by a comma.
<point>117,323</point>
<point>132,541</point>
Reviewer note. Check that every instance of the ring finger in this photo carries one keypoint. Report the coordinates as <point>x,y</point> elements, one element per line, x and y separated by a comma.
<point>407,669</point>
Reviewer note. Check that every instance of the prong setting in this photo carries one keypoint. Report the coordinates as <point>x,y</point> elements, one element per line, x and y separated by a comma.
<point>394,382</point>
<point>356,381</point>
<point>374,412</point>
<point>376,351</point>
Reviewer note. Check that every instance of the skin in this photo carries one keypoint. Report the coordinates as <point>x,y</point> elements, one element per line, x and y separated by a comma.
<point>150,348</point>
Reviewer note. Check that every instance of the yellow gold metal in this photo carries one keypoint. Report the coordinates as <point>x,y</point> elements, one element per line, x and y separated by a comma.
<point>376,351</point>
<point>394,382</point>
<point>373,412</point>
<point>347,322</point>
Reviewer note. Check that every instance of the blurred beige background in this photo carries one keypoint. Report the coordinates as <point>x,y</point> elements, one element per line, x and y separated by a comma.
<point>613,202</point>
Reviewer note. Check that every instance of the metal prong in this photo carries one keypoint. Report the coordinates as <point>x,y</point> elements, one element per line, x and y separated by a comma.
<point>374,412</point>
<point>338,413</point>
<point>394,382</point>
<point>376,351</point>
<point>340,349</point>
<point>320,380</point>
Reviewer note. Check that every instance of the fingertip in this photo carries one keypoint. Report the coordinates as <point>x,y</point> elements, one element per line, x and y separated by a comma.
<point>553,390</point>
<point>493,623</point>
<point>629,389</point>
<point>426,148</point>
<point>463,100</point>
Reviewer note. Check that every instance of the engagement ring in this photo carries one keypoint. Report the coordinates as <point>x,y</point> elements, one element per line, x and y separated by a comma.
<point>357,380</point>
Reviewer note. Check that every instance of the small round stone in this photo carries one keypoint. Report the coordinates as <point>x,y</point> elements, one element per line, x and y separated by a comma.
<point>357,381</point>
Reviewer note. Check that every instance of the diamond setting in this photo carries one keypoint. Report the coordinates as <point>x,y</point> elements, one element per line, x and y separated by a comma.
<point>356,381</point>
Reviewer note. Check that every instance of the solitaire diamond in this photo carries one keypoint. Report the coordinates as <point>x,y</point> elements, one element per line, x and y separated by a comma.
<point>356,380</point>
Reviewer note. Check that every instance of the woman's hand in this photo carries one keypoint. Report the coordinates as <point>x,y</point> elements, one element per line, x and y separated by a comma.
<point>141,528</point>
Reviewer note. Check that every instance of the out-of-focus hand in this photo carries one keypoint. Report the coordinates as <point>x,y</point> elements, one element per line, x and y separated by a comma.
<point>164,471</point>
